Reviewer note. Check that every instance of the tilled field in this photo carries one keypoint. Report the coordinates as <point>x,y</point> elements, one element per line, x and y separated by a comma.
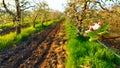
<point>113,43</point>
<point>42,50</point>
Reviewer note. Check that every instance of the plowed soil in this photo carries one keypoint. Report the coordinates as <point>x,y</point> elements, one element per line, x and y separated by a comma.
<point>112,42</point>
<point>42,50</point>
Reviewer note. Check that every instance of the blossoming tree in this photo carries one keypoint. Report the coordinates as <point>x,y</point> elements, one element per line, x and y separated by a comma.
<point>80,10</point>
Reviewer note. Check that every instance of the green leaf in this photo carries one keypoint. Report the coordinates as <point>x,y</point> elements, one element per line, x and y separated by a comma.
<point>104,27</point>
<point>102,33</point>
<point>94,38</point>
<point>94,35</point>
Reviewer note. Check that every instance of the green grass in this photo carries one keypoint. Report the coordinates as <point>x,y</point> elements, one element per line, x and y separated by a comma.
<point>82,53</point>
<point>7,25</point>
<point>11,25</point>
<point>6,41</point>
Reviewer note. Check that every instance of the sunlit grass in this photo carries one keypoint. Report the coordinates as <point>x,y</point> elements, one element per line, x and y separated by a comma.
<point>7,25</point>
<point>82,53</point>
<point>6,40</point>
<point>9,39</point>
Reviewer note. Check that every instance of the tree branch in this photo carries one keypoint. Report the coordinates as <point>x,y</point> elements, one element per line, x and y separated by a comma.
<point>102,1</point>
<point>24,3</point>
<point>110,37</point>
<point>101,6</point>
<point>27,8</point>
<point>7,10</point>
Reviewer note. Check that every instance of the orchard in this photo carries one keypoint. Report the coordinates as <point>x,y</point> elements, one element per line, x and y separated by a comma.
<point>59,34</point>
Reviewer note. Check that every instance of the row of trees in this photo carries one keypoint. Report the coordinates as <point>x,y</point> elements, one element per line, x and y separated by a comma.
<point>80,10</point>
<point>18,7</point>
<point>25,8</point>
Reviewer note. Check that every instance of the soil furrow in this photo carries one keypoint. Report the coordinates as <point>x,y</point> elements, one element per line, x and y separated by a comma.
<point>112,43</point>
<point>5,55</point>
<point>55,58</point>
<point>40,51</point>
<point>26,52</point>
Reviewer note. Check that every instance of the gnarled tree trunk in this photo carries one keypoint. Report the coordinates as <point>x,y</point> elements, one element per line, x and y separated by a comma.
<point>18,17</point>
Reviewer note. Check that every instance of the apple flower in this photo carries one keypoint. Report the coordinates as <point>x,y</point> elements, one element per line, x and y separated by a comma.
<point>100,23</point>
<point>85,35</point>
<point>91,28</point>
<point>87,31</point>
<point>96,31</point>
<point>96,26</point>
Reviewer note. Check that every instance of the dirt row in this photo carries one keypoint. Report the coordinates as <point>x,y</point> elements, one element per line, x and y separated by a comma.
<point>57,54</point>
<point>112,43</point>
<point>42,50</point>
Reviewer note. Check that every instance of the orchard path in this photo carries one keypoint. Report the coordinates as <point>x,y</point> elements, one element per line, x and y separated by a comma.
<point>42,50</point>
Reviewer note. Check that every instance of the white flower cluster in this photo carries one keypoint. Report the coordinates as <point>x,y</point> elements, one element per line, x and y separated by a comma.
<point>96,26</point>
<point>92,28</point>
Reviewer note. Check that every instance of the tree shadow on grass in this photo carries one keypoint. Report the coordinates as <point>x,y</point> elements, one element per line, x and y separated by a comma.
<point>82,38</point>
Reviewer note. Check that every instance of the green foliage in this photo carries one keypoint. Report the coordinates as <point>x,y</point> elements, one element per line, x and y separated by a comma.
<point>83,53</point>
<point>96,34</point>
<point>40,27</point>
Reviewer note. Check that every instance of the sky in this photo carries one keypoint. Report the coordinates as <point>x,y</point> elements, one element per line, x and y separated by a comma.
<point>56,4</point>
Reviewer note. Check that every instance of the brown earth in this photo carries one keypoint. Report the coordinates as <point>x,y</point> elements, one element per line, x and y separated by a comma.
<point>112,40</point>
<point>42,50</point>
<point>112,43</point>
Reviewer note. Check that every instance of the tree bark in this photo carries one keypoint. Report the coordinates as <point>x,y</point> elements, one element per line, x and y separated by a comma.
<point>18,17</point>
<point>7,10</point>
<point>35,20</point>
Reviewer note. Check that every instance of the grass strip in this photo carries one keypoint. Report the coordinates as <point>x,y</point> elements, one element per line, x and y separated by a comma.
<point>85,54</point>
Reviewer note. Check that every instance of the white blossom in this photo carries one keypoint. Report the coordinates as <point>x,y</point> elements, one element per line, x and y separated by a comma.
<point>87,31</point>
<point>96,26</point>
